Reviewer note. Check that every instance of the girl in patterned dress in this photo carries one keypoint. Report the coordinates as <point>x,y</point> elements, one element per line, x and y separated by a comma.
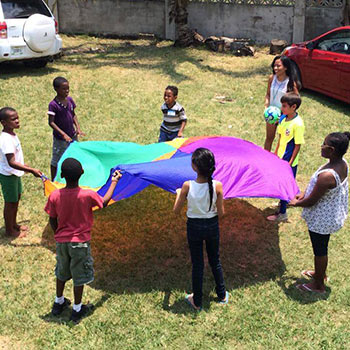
<point>325,204</point>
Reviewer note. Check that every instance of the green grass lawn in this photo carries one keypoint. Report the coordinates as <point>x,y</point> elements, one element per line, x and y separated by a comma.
<point>141,257</point>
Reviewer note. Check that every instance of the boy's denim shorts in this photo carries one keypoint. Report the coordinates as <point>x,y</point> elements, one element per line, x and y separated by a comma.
<point>74,261</point>
<point>58,148</point>
<point>11,187</point>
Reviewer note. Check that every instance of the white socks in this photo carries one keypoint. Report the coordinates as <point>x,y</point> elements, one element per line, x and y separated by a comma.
<point>77,307</point>
<point>59,300</point>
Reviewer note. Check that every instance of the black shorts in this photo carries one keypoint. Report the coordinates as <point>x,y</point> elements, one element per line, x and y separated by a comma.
<point>319,243</point>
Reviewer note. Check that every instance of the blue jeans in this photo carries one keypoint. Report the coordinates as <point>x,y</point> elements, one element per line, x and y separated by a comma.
<point>207,230</point>
<point>164,136</point>
<point>283,204</point>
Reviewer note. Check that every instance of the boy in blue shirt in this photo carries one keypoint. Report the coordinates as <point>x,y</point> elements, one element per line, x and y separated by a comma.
<point>291,137</point>
<point>174,117</point>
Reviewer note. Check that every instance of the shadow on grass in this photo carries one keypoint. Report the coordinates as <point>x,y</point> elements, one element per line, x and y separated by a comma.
<point>63,319</point>
<point>140,246</point>
<point>151,55</point>
<point>14,69</point>
<point>288,285</point>
<point>330,102</point>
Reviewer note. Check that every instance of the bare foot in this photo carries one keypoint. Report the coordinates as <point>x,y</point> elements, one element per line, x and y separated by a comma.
<point>21,227</point>
<point>16,234</point>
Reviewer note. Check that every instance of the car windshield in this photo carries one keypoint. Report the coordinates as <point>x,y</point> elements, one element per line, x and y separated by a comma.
<point>23,8</point>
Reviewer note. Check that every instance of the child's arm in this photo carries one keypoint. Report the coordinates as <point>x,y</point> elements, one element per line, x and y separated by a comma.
<point>53,223</point>
<point>220,200</point>
<point>181,196</point>
<point>294,154</point>
<point>183,124</point>
<point>268,92</point>
<point>13,164</point>
<point>77,126</point>
<point>278,145</point>
<point>325,181</point>
<point>115,178</point>
<point>56,128</point>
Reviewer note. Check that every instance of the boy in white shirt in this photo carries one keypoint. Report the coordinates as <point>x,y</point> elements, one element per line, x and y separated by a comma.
<point>12,167</point>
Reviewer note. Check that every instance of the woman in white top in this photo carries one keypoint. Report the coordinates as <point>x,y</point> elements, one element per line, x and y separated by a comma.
<point>325,204</point>
<point>204,206</point>
<point>281,81</point>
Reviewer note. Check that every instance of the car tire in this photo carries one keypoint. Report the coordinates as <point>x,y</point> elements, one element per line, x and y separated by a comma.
<point>35,63</point>
<point>297,75</point>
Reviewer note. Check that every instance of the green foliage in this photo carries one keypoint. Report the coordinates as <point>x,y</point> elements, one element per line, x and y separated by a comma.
<point>142,262</point>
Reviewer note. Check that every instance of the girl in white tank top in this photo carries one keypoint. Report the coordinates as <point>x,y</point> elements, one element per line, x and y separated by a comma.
<point>283,79</point>
<point>325,206</point>
<point>205,204</point>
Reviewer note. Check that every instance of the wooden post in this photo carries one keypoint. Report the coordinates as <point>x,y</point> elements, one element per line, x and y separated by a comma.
<point>299,21</point>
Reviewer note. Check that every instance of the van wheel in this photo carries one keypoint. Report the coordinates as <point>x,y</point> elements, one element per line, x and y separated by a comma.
<point>35,63</point>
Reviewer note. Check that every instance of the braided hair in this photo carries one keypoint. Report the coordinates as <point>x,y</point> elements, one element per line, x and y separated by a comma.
<point>204,160</point>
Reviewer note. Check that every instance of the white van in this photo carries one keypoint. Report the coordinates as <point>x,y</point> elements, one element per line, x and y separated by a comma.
<point>28,32</point>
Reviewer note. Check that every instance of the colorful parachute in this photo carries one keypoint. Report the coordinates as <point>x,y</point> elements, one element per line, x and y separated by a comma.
<point>245,169</point>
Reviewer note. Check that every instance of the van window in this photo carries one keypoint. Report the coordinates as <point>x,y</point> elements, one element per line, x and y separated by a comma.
<point>23,8</point>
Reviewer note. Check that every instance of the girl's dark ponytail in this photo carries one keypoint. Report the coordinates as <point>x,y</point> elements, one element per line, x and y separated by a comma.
<point>210,183</point>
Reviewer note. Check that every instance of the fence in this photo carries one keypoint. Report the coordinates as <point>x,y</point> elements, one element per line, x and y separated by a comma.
<point>260,20</point>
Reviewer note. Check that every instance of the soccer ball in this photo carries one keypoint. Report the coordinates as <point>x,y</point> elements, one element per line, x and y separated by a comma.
<point>272,114</point>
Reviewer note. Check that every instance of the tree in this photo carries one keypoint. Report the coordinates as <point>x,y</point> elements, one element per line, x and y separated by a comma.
<point>178,13</point>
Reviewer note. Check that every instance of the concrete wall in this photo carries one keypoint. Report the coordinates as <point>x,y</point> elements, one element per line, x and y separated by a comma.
<point>260,23</point>
<point>319,20</point>
<point>119,17</point>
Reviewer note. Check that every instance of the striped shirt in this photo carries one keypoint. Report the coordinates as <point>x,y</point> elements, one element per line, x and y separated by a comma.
<point>172,117</point>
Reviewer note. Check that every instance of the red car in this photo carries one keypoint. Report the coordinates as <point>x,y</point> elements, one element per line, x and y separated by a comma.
<point>323,63</point>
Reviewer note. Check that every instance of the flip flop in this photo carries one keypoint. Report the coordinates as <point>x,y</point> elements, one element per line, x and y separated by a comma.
<point>188,301</point>
<point>225,301</point>
<point>310,274</point>
<point>305,288</point>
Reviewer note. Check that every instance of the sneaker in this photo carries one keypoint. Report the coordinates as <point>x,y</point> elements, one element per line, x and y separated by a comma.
<point>57,308</point>
<point>225,300</point>
<point>85,310</point>
<point>278,217</point>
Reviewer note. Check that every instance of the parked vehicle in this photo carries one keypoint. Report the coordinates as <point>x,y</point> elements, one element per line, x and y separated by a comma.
<point>28,32</point>
<point>323,63</point>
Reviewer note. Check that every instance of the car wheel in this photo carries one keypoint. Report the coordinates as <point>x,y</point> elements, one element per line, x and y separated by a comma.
<point>35,63</point>
<point>297,75</point>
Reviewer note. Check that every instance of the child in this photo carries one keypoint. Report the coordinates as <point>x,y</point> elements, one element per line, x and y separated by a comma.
<point>174,117</point>
<point>63,121</point>
<point>204,205</point>
<point>70,211</point>
<point>291,137</point>
<point>282,80</point>
<point>12,167</point>
<point>325,205</point>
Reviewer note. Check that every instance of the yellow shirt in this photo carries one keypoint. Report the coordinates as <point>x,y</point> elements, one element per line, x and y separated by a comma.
<point>291,134</point>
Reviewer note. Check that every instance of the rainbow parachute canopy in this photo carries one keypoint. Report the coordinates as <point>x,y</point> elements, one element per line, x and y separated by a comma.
<point>245,169</point>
